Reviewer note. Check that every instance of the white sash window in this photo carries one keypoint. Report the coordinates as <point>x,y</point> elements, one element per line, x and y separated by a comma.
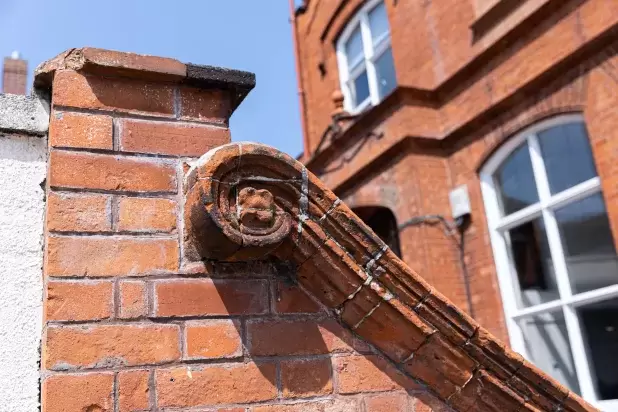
<point>365,58</point>
<point>555,256</point>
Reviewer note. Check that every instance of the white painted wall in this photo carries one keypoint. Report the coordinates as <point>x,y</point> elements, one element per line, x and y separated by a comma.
<point>22,204</point>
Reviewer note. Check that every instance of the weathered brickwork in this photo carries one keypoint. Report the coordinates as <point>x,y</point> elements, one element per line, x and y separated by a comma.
<point>246,201</point>
<point>237,281</point>
<point>130,323</point>
<point>475,73</point>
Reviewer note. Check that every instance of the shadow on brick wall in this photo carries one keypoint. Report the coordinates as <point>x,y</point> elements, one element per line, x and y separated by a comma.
<point>295,342</point>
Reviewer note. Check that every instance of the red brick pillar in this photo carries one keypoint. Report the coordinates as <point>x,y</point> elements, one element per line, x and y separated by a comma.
<point>122,128</point>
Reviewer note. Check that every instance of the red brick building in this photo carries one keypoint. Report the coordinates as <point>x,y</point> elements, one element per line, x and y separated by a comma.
<point>512,103</point>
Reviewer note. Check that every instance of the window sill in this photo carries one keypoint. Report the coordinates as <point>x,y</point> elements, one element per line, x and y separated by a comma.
<point>364,106</point>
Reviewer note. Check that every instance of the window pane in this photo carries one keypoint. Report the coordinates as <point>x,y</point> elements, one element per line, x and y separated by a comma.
<point>386,73</point>
<point>515,181</point>
<point>360,89</point>
<point>533,263</point>
<point>588,244</point>
<point>568,159</point>
<point>354,48</point>
<point>547,344</point>
<point>378,22</point>
<point>600,327</point>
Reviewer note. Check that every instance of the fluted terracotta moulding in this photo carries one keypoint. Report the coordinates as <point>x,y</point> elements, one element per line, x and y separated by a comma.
<point>249,201</point>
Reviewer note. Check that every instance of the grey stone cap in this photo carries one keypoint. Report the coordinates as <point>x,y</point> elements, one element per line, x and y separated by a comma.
<point>24,114</point>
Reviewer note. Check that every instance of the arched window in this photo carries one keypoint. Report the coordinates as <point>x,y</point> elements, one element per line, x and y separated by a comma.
<point>555,256</point>
<point>382,221</point>
<point>367,73</point>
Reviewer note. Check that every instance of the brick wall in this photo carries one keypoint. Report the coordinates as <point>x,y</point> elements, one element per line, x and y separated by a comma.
<point>129,324</point>
<point>228,339</point>
<point>413,185</point>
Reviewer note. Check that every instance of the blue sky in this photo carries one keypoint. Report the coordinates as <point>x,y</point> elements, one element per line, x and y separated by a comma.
<point>252,35</point>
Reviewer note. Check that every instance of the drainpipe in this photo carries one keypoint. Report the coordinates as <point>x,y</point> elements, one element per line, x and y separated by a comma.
<point>301,91</point>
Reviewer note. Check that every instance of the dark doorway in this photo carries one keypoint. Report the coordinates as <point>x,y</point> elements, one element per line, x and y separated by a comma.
<point>382,221</point>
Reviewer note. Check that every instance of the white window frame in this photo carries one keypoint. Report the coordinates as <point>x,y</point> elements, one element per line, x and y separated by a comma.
<point>370,53</point>
<point>509,288</point>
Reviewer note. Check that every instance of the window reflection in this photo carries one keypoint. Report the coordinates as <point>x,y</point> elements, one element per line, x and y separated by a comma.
<point>515,181</point>
<point>600,324</point>
<point>533,263</point>
<point>567,156</point>
<point>361,88</point>
<point>354,48</point>
<point>386,73</point>
<point>378,23</point>
<point>547,343</point>
<point>588,244</point>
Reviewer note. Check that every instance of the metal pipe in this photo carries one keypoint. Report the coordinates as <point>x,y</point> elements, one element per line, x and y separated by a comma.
<point>301,91</point>
<point>450,229</point>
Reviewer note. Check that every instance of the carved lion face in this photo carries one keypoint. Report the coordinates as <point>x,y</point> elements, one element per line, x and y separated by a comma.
<point>256,208</point>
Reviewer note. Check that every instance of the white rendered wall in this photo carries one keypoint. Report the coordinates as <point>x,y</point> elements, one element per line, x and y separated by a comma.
<point>22,205</point>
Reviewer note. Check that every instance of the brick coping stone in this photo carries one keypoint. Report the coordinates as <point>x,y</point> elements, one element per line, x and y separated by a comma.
<point>111,63</point>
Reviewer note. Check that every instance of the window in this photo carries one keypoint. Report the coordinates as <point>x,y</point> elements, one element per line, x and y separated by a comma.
<point>365,58</point>
<point>555,256</point>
